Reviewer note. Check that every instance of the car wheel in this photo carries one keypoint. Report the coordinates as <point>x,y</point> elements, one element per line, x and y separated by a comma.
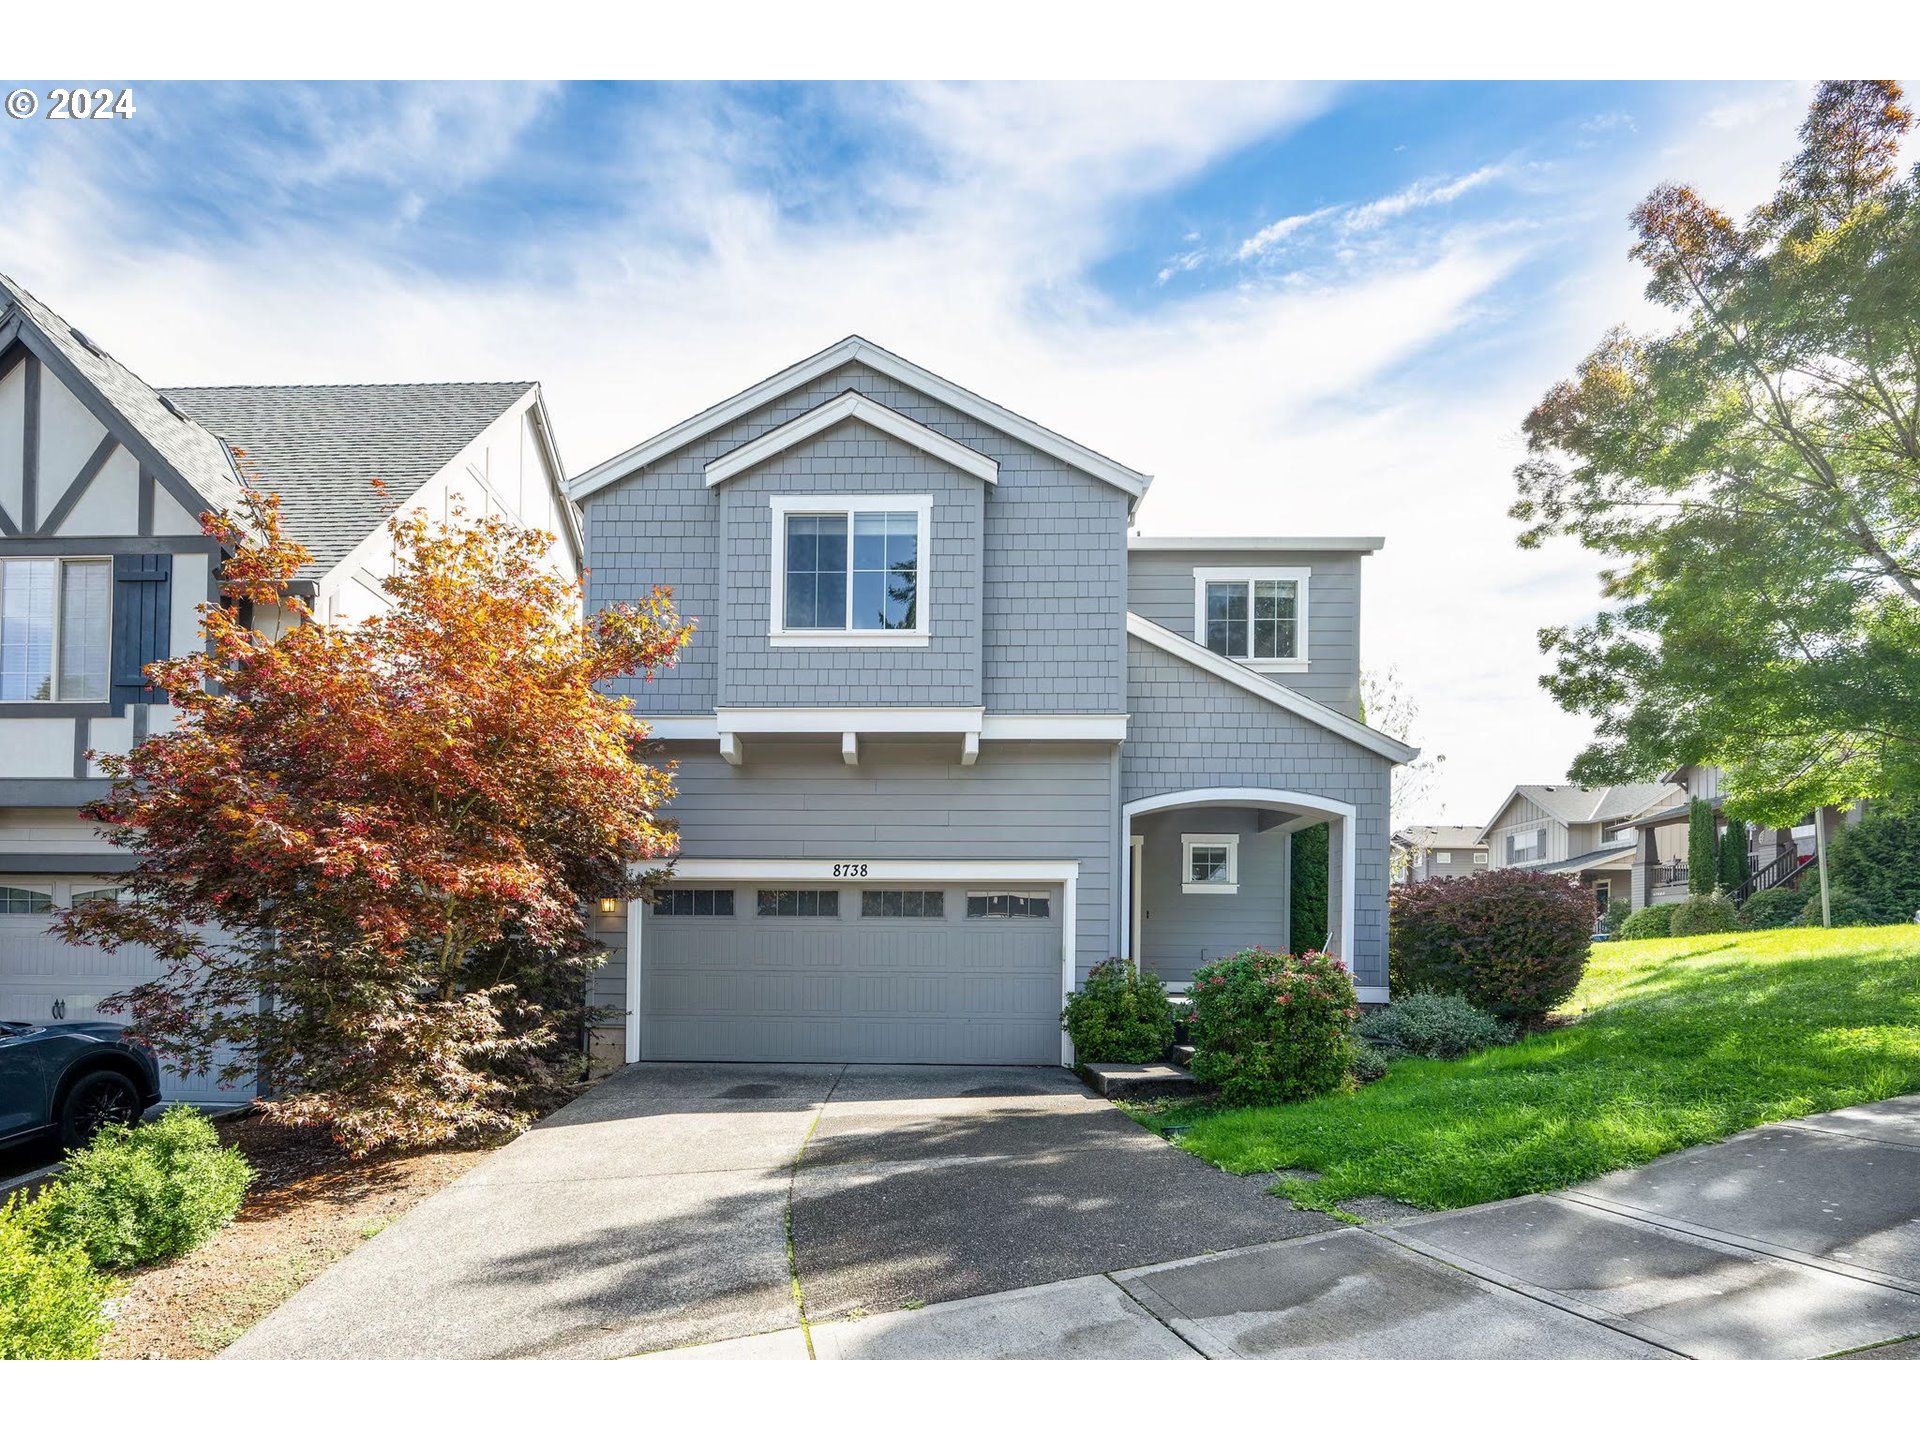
<point>101,1099</point>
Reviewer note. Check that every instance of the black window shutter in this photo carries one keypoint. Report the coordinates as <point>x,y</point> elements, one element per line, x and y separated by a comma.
<point>142,624</point>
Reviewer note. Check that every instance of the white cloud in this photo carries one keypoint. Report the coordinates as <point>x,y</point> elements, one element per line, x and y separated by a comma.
<point>1264,239</point>
<point>1419,196</point>
<point>1272,407</point>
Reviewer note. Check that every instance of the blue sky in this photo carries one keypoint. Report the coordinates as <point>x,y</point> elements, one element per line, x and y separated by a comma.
<point>1303,308</point>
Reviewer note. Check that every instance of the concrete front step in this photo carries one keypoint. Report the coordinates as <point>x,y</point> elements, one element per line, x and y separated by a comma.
<point>1142,1082</point>
<point>1183,1054</point>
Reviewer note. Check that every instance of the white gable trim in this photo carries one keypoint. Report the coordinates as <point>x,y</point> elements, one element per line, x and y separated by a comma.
<point>1234,673</point>
<point>850,350</point>
<point>852,405</point>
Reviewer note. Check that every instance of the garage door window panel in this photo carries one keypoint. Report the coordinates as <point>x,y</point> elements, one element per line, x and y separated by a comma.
<point>1009,905</point>
<point>800,904</point>
<point>903,904</point>
<point>695,904</point>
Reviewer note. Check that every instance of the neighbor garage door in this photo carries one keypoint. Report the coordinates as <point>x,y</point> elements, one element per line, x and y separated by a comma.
<point>923,974</point>
<point>43,980</point>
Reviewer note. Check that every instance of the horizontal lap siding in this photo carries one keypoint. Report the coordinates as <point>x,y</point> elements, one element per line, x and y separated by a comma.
<point>1181,932</point>
<point>1160,589</point>
<point>1191,730</point>
<point>902,802</point>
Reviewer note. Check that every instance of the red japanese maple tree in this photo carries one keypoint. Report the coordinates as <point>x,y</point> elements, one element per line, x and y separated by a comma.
<point>365,850</point>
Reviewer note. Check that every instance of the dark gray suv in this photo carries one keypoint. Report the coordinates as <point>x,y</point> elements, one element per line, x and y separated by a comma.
<point>66,1081</point>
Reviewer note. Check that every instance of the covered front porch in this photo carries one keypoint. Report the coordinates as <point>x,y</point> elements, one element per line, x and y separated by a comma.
<point>1210,872</point>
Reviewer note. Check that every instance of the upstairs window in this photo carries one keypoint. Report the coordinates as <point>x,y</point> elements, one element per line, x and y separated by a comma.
<point>850,570</point>
<point>1526,846</point>
<point>1258,617</point>
<point>55,636</point>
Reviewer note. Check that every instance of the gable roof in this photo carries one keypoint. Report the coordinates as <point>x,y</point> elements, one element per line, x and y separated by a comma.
<point>319,447</point>
<point>854,349</point>
<point>1327,718</point>
<point>1441,837</point>
<point>1581,805</point>
<point>1605,856</point>
<point>179,448</point>
<point>852,405</point>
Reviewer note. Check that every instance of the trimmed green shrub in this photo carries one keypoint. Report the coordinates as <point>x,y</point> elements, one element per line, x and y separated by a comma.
<point>1616,916</point>
<point>51,1297</point>
<point>145,1193</point>
<point>1736,866</point>
<point>1704,915</point>
<point>1119,1016</point>
<point>1846,907</point>
<point>1307,905</point>
<point>1369,1063</point>
<point>1513,942</point>
<point>1653,923</point>
<point>1877,862</point>
<point>1440,1027</point>
<point>1772,909</point>
<point>1703,855</point>
<point>1268,1027</point>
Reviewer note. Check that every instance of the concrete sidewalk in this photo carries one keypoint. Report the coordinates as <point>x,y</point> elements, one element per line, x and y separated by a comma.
<point>1796,1240</point>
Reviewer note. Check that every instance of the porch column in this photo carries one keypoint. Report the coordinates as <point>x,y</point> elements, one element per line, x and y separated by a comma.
<point>1342,852</point>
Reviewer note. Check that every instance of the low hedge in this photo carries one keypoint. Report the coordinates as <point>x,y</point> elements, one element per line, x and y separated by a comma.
<point>1845,907</point>
<point>1772,909</point>
<point>1268,1028</point>
<point>145,1193</point>
<point>1653,923</point>
<point>1119,1016</point>
<point>1710,914</point>
<point>52,1300</point>
<point>1440,1027</point>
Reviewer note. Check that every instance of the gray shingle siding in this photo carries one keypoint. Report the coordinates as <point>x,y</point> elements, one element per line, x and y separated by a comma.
<point>1051,566</point>
<point>1160,588</point>
<point>1191,730</point>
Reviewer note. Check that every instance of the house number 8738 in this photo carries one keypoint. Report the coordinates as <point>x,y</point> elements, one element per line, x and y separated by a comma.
<point>850,870</point>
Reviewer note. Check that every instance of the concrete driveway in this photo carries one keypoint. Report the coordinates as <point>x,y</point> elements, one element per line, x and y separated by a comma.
<point>654,1212</point>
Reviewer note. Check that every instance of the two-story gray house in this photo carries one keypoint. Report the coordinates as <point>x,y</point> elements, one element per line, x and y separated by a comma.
<point>946,737</point>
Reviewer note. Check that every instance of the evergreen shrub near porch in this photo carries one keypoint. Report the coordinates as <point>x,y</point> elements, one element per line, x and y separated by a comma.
<point>1512,942</point>
<point>1268,1027</point>
<point>1120,1016</point>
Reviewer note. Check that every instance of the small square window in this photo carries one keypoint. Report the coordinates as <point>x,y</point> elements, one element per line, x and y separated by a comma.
<point>1209,864</point>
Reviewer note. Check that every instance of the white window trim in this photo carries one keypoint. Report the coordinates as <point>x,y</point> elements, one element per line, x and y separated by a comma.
<point>779,636</point>
<point>1190,886</point>
<point>59,622</point>
<point>1443,857</point>
<point>1299,574</point>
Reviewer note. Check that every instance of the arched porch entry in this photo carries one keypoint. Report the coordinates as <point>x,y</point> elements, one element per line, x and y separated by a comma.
<point>1214,865</point>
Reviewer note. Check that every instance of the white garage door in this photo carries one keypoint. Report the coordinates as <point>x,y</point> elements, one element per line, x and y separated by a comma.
<point>914,973</point>
<point>43,980</point>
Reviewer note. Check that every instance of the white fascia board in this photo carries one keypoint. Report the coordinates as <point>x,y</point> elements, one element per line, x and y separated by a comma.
<point>957,871</point>
<point>852,405</point>
<point>1054,727</point>
<point>874,720</point>
<point>1357,544</point>
<point>1235,673</point>
<point>855,348</point>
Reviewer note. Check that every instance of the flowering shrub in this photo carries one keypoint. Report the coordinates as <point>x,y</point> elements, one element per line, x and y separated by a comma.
<point>1513,942</point>
<point>1120,1016</point>
<point>1268,1027</point>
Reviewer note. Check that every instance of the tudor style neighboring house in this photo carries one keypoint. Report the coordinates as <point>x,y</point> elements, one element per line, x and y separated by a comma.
<point>1427,852</point>
<point>103,563</point>
<point>946,739</point>
<point>1573,830</point>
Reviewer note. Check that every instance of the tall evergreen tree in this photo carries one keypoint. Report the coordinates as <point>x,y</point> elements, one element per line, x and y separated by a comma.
<point>1735,865</point>
<point>1703,862</point>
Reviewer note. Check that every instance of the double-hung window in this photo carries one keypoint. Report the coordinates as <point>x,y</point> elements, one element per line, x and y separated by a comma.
<point>1258,617</point>
<point>850,570</point>
<point>55,636</point>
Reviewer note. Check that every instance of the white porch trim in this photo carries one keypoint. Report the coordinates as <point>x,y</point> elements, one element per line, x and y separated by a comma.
<point>1308,810</point>
<point>1064,873</point>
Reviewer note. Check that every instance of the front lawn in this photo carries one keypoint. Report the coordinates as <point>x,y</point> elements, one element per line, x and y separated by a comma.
<point>1676,1042</point>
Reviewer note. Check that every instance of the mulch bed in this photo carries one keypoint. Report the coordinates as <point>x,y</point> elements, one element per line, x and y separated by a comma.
<point>311,1205</point>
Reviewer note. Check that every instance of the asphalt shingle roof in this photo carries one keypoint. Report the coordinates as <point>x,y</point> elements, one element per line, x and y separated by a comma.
<point>1576,804</point>
<point>1614,851</point>
<point>198,456</point>
<point>1441,837</point>
<point>320,447</point>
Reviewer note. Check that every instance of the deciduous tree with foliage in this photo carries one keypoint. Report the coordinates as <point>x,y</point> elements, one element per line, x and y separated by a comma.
<point>364,851</point>
<point>1754,475</point>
